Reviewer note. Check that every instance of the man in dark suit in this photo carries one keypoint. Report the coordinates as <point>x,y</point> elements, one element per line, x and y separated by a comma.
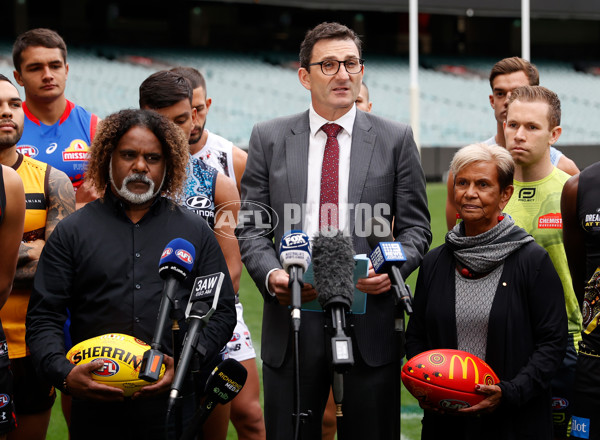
<point>378,173</point>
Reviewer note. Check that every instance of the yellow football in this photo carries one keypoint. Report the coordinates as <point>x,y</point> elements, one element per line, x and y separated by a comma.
<point>122,356</point>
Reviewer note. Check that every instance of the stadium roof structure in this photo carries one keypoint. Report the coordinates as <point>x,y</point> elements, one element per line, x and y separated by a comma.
<point>572,9</point>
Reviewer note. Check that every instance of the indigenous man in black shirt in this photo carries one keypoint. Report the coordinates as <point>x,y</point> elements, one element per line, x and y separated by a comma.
<point>101,263</point>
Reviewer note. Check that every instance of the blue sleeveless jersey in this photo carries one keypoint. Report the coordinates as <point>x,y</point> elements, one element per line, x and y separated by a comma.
<point>64,145</point>
<point>200,185</point>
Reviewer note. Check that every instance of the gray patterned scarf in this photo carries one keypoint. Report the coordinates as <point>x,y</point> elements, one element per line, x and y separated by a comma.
<point>484,252</point>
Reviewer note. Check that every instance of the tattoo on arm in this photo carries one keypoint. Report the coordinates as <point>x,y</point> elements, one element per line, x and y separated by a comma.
<point>26,266</point>
<point>61,203</point>
<point>24,249</point>
<point>61,199</point>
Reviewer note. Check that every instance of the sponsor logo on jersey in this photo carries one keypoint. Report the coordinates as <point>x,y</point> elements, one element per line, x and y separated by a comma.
<point>580,427</point>
<point>550,221</point>
<point>235,337</point>
<point>28,150</point>
<point>51,148</point>
<point>35,201</point>
<point>559,403</point>
<point>526,193</point>
<point>78,151</point>
<point>198,202</point>
<point>591,222</point>
<point>110,368</point>
<point>248,339</point>
<point>4,400</point>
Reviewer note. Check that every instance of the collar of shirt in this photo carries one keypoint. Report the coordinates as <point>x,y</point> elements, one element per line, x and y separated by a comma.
<point>317,121</point>
<point>111,199</point>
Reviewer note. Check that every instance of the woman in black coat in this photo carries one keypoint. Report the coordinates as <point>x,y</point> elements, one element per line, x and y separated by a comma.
<point>492,291</point>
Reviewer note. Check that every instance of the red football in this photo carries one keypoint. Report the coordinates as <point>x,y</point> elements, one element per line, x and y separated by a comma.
<point>446,378</point>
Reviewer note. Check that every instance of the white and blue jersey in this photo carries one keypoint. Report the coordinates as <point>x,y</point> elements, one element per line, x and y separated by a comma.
<point>64,145</point>
<point>199,195</point>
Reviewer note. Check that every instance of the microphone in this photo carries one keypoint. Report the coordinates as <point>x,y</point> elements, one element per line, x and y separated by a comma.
<point>223,385</point>
<point>294,255</point>
<point>333,266</point>
<point>386,257</point>
<point>176,262</point>
<point>202,304</point>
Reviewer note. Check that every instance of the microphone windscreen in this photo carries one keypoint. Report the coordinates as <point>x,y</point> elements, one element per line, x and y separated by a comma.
<point>226,381</point>
<point>379,230</point>
<point>177,259</point>
<point>333,266</point>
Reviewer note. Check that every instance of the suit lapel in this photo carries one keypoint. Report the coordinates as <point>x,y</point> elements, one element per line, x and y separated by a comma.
<point>296,159</point>
<point>363,144</point>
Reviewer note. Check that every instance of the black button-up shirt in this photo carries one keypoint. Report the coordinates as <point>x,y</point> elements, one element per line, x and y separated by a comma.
<point>104,269</point>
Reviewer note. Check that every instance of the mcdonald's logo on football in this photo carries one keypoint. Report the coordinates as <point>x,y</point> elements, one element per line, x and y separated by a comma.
<point>464,364</point>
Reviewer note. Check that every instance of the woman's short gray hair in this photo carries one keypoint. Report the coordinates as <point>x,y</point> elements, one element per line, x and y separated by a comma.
<point>485,153</point>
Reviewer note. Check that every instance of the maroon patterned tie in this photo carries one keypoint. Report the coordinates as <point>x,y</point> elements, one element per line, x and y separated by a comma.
<point>328,206</point>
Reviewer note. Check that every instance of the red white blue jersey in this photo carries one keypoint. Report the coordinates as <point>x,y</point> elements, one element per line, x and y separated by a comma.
<point>64,145</point>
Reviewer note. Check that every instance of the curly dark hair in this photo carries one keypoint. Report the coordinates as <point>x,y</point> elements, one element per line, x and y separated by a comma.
<point>111,130</point>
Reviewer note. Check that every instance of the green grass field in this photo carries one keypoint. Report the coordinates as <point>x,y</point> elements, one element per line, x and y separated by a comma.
<point>411,413</point>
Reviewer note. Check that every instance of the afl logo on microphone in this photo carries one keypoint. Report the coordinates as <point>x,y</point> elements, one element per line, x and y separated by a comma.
<point>184,256</point>
<point>168,251</point>
<point>110,368</point>
<point>198,202</point>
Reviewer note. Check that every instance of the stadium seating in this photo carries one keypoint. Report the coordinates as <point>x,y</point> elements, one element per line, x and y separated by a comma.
<point>247,88</point>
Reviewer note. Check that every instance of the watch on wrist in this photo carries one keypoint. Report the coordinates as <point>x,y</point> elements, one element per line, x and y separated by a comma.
<point>65,388</point>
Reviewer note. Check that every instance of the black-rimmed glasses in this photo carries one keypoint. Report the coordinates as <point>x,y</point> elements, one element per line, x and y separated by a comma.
<point>332,67</point>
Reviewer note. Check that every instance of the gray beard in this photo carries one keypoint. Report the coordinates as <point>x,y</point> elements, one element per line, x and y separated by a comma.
<point>131,197</point>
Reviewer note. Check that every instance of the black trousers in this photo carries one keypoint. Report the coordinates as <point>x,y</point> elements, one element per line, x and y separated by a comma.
<point>369,393</point>
<point>586,407</point>
<point>139,419</point>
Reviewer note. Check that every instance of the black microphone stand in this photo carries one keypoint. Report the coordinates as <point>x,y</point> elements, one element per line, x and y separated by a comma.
<point>403,304</point>
<point>177,314</point>
<point>169,309</point>
<point>186,358</point>
<point>296,283</point>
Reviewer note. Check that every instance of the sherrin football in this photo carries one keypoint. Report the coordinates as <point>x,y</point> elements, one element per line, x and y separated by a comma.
<point>122,356</point>
<point>446,378</point>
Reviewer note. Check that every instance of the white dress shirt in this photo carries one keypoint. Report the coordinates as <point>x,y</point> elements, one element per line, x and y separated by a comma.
<point>316,148</point>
